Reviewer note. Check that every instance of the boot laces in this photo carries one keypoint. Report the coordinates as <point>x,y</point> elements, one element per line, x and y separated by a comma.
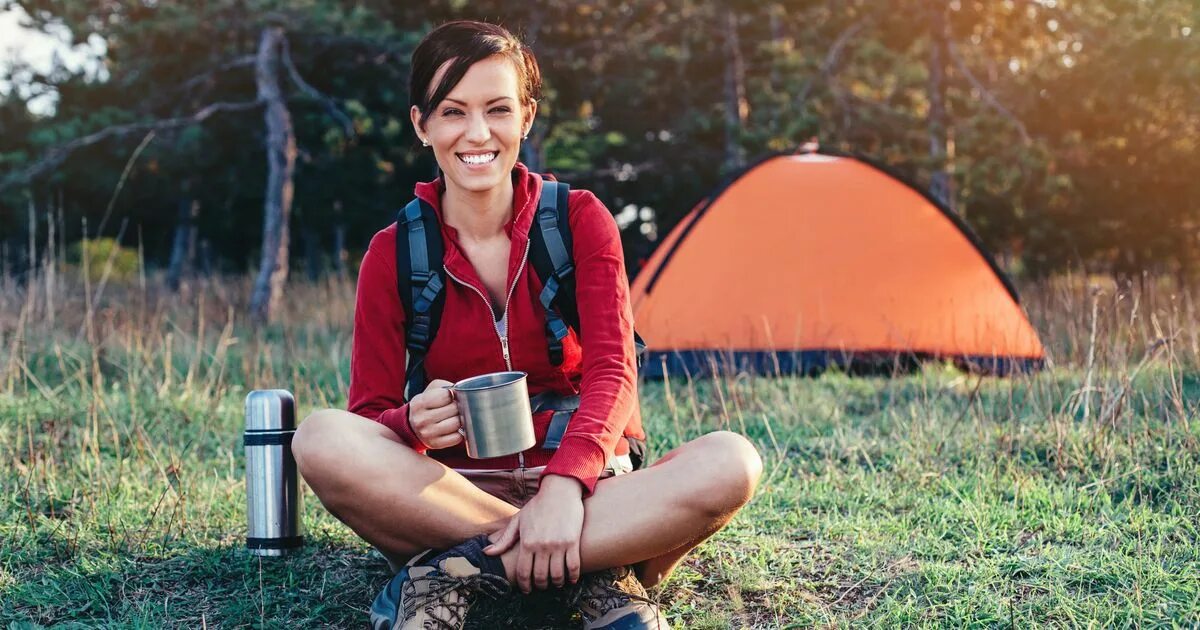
<point>441,586</point>
<point>603,592</point>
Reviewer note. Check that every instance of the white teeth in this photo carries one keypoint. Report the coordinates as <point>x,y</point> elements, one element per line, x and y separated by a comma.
<point>480,158</point>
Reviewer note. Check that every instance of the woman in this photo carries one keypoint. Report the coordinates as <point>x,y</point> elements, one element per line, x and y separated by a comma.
<point>397,472</point>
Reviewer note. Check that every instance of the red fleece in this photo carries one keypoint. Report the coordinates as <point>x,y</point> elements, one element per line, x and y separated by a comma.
<point>600,368</point>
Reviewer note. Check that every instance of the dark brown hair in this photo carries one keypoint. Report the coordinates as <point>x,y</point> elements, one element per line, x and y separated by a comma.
<point>463,43</point>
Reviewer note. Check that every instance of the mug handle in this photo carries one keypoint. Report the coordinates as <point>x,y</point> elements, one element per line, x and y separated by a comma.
<point>454,396</point>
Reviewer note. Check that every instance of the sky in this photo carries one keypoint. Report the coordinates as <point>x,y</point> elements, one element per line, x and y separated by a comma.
<point>38,50</point>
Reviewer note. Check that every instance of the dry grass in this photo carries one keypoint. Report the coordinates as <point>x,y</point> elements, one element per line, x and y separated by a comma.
<point>1068,497</point>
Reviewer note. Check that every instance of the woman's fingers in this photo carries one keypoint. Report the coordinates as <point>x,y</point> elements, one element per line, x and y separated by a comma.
<point>433,416</point>
<point>436,395</point>
<point>507,537</point>
<point>541,568</point>
<point>446,426</point>
<point>441,414</point>
<point>558,569</point>
<point>442,441</point>
<point>573,564</point>
<point>524,568</point>
<point>444,434</point>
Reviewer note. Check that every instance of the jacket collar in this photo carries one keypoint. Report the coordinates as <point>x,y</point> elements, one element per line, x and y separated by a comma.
<point>527,189</point>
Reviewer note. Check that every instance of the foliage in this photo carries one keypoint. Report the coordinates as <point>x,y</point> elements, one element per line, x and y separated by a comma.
<point>1070,134</point>
<point>104,258</point>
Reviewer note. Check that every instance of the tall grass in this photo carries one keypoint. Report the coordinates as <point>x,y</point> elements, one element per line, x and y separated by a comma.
<point>1068,496</point>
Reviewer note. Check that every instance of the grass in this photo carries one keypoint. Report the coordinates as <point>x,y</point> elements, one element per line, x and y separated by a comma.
<point>1067,498</point>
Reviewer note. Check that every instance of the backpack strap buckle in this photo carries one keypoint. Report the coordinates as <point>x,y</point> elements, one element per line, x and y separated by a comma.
<point>564,407</point>
<point>431,287</point>
<point>554,322</point>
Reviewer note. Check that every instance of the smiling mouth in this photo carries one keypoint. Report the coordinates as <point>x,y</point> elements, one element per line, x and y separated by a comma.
<point>476,159</point>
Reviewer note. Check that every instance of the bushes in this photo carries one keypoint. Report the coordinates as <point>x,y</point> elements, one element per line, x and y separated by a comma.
<point>98,252</point>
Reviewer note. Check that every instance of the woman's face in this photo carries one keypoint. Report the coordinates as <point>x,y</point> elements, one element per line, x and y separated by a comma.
<point>476,131</point>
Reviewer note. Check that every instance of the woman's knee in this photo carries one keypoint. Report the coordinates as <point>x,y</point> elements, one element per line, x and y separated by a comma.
<point>321,443</point>
<point>732,467</point>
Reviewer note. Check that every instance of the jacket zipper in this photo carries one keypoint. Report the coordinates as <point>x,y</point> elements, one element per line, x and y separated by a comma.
<point>508,298</point>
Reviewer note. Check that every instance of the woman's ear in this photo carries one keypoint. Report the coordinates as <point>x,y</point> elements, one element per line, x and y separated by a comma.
<point>530,114</point>
<point>415,115</point>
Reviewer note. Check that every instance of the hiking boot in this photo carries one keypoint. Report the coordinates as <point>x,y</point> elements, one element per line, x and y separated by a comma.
<point>614,599</point>
<point>433,592</point>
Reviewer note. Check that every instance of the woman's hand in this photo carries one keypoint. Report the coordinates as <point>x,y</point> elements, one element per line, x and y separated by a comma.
<point>433,416</point>
<point>548,528</point>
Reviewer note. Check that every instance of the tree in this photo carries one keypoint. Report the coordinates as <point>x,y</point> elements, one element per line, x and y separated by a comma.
<point>1064,132</point>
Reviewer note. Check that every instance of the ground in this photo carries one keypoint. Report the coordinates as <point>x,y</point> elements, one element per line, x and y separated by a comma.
<point>938,498</point>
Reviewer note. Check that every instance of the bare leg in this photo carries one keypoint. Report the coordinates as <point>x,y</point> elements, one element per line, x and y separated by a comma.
<point>653,517</point>
<point>403,502</point>
<point>394,498</point>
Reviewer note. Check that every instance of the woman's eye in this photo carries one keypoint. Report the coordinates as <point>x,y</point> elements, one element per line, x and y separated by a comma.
<point>501,110</point>
<point>451,112</point>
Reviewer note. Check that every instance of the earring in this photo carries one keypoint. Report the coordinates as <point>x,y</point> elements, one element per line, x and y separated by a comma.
<point>424,142</point>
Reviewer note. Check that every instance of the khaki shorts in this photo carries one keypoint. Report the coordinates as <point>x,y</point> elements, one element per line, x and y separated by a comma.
<point>517,486</point>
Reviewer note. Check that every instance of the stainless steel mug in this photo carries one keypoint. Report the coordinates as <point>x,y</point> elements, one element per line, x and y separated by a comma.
<point>495,414</point>
<point>272,485</point>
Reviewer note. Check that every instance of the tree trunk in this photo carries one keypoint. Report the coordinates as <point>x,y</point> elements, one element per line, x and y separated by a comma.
<point>775,21</point>
<point>340,255</point>
<point>281,163</point>
<point>736,107</point>
<point>31,271</point>
<point>51,262</point>
<point>204,258</point>
<point>531,148</point>
<point>183,245</point>
<point>940,182</point>
<point>312,253</point>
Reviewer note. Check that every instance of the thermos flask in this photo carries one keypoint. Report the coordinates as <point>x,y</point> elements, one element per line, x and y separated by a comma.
<point>272,486</point>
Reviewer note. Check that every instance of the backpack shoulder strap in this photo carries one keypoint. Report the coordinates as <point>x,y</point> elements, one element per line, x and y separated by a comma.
<point>420,285</point>
<point>550,252</point>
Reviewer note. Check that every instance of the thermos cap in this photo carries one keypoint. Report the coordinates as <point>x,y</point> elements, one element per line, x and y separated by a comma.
<point>270,410</point>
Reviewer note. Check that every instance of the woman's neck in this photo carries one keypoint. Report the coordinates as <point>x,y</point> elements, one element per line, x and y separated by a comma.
<point>481,215</point>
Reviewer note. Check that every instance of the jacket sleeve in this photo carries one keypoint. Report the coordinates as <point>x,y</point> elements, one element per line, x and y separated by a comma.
<point>608,389</point>
<point>377,356</point>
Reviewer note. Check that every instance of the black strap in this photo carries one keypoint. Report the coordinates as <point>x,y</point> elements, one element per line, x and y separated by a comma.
<point>421,286</point>
<point>557,429</point>
<point>283,542</point>
<point>551,401</point>
<point>550,252</point>
<point>268,438</point>
<point>564,407</point>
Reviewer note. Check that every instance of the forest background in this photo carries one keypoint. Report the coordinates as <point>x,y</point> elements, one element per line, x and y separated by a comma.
<point>1064,131</point>
<point>227,144</point>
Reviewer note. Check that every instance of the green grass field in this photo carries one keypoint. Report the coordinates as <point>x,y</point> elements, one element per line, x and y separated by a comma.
<point>1070,498</point>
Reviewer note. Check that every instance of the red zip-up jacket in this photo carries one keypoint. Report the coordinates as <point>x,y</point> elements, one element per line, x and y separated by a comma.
<point>600,367</point>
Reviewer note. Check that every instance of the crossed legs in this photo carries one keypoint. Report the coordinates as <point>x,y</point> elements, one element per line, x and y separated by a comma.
<point>403,503</point>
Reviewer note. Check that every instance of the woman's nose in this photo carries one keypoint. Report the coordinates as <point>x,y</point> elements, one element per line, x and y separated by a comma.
<point>478,130</point>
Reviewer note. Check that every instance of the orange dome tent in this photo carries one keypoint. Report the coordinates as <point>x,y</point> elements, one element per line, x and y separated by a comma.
<point>805,261</point>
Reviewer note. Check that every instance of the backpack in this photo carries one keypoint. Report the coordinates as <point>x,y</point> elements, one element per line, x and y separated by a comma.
<point>421,284</point>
